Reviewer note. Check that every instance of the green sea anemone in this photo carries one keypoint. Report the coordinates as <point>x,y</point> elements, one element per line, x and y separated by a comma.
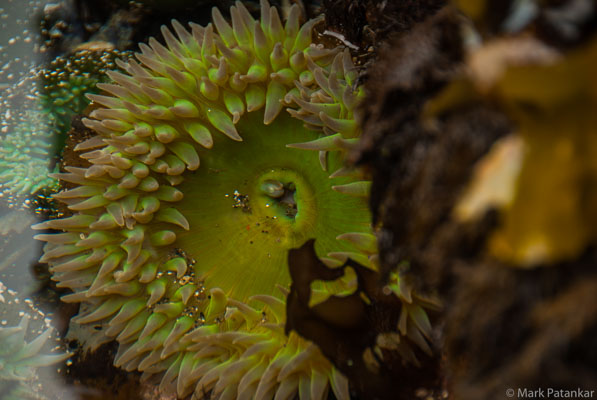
<point>199,185</point>
<point>23,347</point>
<point>35,116</point>
<point>66,79</point>
<point>26,154</point>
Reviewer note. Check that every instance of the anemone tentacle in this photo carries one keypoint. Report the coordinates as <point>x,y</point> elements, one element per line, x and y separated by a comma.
<point>197,188</point>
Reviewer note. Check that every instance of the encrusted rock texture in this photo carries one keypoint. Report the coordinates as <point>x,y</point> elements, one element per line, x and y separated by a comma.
<point>504,325</point>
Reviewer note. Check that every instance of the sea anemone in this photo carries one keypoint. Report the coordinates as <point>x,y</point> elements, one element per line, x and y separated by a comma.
<point>23,347</point>
<point>185,265</point>
<point>36,114</point>
<point>66,79</point>
<point>25,154</point>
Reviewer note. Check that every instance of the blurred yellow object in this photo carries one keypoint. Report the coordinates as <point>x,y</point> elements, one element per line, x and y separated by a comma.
<point>550,216</point>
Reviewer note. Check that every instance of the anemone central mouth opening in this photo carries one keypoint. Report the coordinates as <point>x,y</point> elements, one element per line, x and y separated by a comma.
<point>282,195</point>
